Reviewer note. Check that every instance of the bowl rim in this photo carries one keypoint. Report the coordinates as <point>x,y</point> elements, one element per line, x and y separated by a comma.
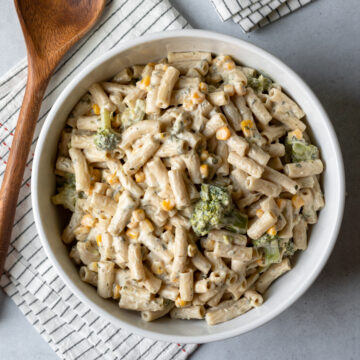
<point>187,33</point>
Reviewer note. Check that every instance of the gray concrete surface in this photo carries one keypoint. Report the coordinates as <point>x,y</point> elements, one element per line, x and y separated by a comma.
<point>321,42</point>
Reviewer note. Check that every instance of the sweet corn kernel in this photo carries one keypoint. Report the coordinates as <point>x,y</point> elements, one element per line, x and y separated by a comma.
<point>259,213</point>
<point>204,170</point>
<point>91,188</point>
<point>188,104</point>
<point>229,65</point>
<point>140,177</point>
<point>116,292</point>
<point>227,57</point>
<point>179,302</point>
<point>165,67</point>
<point>168,227</point>
<point>151,64</point>
<point>246,126</point>
<point>112,179</point>
<point>132,234</point>
<point>157,268</point>
<point>297,201</point>
<point>272,231</point>
<point>167,205</point>
<point>297,133</point>
<point>88,220</point>
<point>145,81</point>
<point>93,266</point>
<point>98,239</point>
<point>203,87</point>
<point>138,215</point>
<point>204,155</point>
<point>229,89</point>
<point>223,133</point>
<point>197,97</point>
<point>96,109</point>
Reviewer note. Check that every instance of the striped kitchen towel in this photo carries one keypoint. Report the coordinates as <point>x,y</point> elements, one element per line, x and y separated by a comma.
<point>70,327</point>
<point>252,14</point>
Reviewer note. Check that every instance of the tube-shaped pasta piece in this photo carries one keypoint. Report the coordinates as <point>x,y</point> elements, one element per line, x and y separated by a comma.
<point>261,225</point>
<point>123,77</point>
<point>213,124</point>
<point>154,315</point>
<point>159,171</point>
<point>222,249</point>
<point>203,285</point>
<point>256,153</point>
<point>139,129</point>
<point>151,107</point>
<point>257,107</point>
<point>200,262</point>
<point>263,186</point>
<point>290,121</point>
<point>244,163</point>
<point>103,203</point>
<point>141,155</point>
<point>188,56</point>
<point>271,274</point>
<point>89,122</point>
<point>68,234</point>
<point>186,285</point>
<point>169,292</point>
<point>157,246</point>
<point>123,212</point>
<point>278,178</point>
<point>64,164</point>
<point>135,262</point>
<point>131,302</point>
<point>178,188</point>
<point>100,98</point>
<point>254,297</point>
<point>272,133</point>
<point>232,115</point>
<point>227,311</point>
<point>201,66</point>
<point>244,111</point>
<point>114,88</point>
<point>120,245</point>
<point>300,235</point>
<point>218,98</point>
<point>227,237</point>
<point>187,82</point>
<point>304,168</point>
<point>286,104</point>
<point>275,163</point>
<point>192,163</point>
<point>306,182</point>
<point>238,266</point>
<point>106,277</point>
<point>88,276</point>
<point>308,210</point>
<point>88,252</point>
<point>81,169</point>
<point>167,84</point>
<point>319,202</point>
<point>237,144</point>
<point>188,313</point>
<point>151,282</point>
<point>287,231</point>
<point>275,150</point>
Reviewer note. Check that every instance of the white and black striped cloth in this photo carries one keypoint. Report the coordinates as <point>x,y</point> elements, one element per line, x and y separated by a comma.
<point>72,329</point>
<point>252,14</point>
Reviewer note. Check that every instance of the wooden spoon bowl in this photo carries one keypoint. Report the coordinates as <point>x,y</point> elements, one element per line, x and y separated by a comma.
<point>50,28</point>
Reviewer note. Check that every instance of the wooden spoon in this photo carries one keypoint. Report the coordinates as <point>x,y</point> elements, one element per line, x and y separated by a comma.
<point>50,28</point>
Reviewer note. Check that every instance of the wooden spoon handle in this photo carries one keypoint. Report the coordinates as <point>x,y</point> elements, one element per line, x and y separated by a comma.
<point>17,159</point>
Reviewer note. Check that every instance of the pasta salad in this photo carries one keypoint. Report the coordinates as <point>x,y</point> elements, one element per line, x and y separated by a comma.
<point>191,182</point>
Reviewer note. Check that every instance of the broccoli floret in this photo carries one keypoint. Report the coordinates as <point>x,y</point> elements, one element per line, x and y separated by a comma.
<point>236,222</point>
<point>215,210</point>
<point>270,246</point>
<point>299,150</point>
<point>289,248</point>
<point>260,84</point>
<point>66,195</point>
<point>106,138</point>
<point>134,114</point>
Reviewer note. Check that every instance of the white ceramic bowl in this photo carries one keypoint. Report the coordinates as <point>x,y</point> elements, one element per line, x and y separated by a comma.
<point>323,235</point>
